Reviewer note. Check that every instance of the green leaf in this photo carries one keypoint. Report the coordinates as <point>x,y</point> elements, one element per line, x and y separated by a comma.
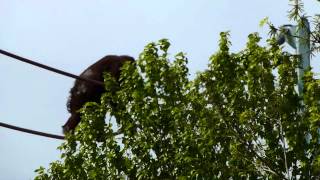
<point>264,21</point>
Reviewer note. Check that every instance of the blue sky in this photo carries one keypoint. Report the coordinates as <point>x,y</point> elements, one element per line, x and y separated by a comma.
<point>71,35</point>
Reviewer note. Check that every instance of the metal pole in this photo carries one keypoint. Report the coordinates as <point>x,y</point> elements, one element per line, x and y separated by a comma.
<point>298,37</point>
<point>303,49</point>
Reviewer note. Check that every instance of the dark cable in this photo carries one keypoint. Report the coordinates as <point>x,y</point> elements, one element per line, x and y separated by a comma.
<point>49,68</point>
<point>31,131</point>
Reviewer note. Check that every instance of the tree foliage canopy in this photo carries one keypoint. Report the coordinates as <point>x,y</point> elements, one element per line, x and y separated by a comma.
<point>240,118</point>
<point>236,119</point>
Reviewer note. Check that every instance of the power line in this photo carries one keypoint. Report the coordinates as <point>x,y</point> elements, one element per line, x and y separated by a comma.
<point>49,68</point>
<point>31,131</point>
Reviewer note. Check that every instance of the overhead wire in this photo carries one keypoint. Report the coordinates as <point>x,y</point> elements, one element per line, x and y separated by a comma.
<point>25,60</point>
<point>31,131</point>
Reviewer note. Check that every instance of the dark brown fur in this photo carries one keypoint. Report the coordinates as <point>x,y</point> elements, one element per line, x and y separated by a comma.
<point>83,91</point>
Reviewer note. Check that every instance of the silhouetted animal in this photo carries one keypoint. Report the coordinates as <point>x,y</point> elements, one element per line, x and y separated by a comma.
<point>83,91</point>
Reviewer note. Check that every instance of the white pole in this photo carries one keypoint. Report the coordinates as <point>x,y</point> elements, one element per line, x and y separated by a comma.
<point>303,49</point>
<point>298,37</point>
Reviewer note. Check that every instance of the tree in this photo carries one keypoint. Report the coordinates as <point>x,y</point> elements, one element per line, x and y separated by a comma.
<point>236,119</point>
<point>240,118</point>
